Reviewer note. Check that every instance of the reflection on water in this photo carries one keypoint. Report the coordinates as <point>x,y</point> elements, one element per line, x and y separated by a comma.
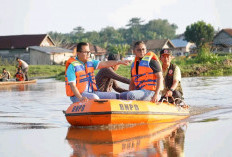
<point>10,88</point>
<point>32,121</point>
<point>33,106</point>
<point>164,139</point>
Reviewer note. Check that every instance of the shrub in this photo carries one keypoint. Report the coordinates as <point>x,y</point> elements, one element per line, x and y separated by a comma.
<point>205,56</point>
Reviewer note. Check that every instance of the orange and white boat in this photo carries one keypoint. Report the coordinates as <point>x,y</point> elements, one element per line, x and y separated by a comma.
<point>105,112</point>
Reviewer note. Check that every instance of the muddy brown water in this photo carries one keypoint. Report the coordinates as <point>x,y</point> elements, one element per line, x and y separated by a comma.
<point>32,124</point>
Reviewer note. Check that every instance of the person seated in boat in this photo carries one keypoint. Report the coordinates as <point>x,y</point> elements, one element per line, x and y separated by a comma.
<point>106,78</point>
<point>5,76</point>
<point>79,75</point>
<point>19,75</point>
<point>24,66</point>
<point>146,75</point>
<point>172,78</point>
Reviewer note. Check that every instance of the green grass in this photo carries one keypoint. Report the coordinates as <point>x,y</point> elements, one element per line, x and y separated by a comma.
<point>216,66</point>
<point>213,66</point>
<point>38,70</point>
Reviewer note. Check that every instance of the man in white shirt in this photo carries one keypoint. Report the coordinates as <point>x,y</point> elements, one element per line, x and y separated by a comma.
<point>24,66</point>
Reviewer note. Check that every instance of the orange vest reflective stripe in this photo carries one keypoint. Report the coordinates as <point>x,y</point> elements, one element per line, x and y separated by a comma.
<point>145,79</point>
<point>83,74</point>
<point>19,77</point>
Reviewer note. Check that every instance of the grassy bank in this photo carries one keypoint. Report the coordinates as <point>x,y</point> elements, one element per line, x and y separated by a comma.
<point>210,65</point>
<point>38,71</point>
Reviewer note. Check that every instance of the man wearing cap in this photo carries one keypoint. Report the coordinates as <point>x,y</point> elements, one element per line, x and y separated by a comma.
<point>172,78</point>
<point>146,75</point>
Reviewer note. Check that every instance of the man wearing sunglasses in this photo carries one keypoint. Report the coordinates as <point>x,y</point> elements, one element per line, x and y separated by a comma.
<point>146,75</point>
<point>79,75</point>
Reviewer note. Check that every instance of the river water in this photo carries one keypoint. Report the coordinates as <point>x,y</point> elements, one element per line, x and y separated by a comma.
<point>32,124</point>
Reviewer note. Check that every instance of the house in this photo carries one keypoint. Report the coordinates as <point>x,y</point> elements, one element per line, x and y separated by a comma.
<point>182,47</point>
<point>97,52</point>
<point>15,46</point>
<point>158,44</point>
<point>41,55</point>
<point>223,41</point>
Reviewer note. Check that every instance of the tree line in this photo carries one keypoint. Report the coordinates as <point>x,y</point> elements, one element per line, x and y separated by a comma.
<point>119,40</point>
<point>135,30</point>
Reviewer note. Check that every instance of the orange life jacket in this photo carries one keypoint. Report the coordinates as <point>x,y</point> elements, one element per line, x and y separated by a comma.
<point>83,74</point>
<point>145,79</point>
<point>19,77</point>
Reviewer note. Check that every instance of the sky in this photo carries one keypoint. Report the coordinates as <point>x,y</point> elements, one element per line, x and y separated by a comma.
<point>41,16</point>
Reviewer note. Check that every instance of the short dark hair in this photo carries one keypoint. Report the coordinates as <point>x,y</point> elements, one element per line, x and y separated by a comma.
<point>17,58</point>
<point>112,57</point>
<point>3,69</point>
<point>79,46</point>
<point>138,43</point>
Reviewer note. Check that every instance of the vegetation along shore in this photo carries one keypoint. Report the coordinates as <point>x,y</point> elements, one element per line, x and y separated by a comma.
<point>203,64</point>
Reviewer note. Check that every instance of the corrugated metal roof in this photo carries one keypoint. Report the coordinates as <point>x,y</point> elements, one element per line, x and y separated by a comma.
<point>179,42</point>
<point>21,41</point>
<point>50,50</point>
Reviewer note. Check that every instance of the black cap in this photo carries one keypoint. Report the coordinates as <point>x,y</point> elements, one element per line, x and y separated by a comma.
<point>165,51</point>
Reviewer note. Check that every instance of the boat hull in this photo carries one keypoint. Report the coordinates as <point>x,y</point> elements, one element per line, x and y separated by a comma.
<point>17,82</point>
<point>105,112</point>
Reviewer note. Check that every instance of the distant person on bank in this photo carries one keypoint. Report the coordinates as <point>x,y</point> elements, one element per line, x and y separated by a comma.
<point>79,75</point>
<point>107,78</point>
<point>172,78</point>
<point>146,75</point>
<point>24,66</point>
<point>19,76</point>
<point>5,76</point>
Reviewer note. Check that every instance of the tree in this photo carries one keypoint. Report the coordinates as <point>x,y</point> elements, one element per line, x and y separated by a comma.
<point>58,38</point>
<point>93,37</point>
<point>119,49</point>
<point>134,31</point>
<point>159,29</point>
<point>78,29</point>
<point>111,35</point>
<point>199,33</point>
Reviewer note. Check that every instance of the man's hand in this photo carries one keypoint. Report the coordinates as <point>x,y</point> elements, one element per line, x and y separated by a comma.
<point>83,99</point>
<point>124,62</point>
<point>169,93</point>
<point>155,98</point>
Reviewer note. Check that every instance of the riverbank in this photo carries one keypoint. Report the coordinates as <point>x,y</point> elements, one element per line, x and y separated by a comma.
<point>38,71</point>
<point>212,65</point>
<point>190,67</point>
